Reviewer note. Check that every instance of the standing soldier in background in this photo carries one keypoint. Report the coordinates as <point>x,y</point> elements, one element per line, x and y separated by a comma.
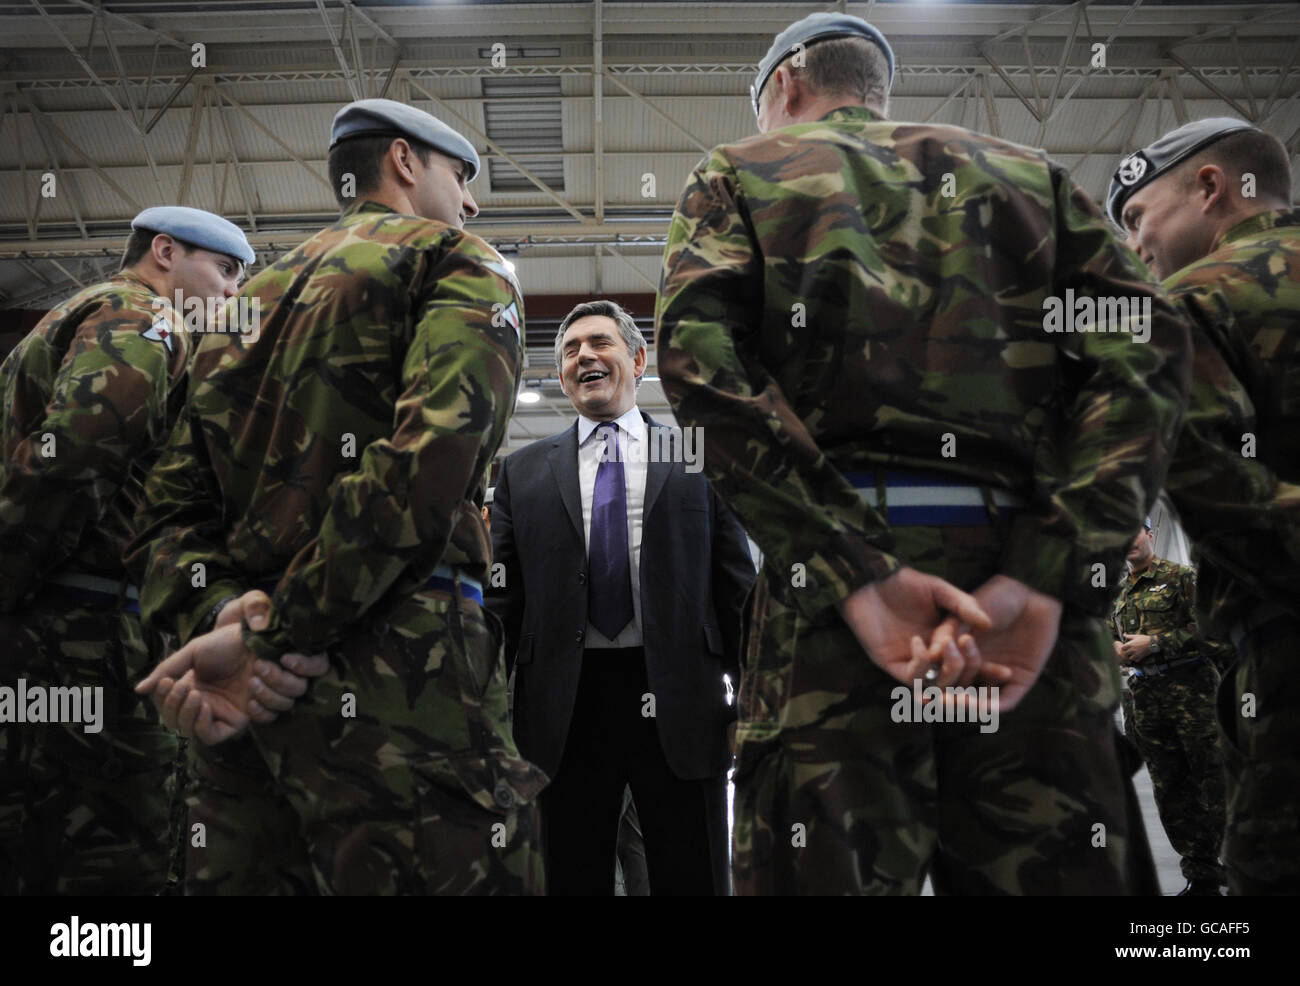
<point>337,458</point>
<point>1208,206</point>
<point>88,397</point>
<point>853,310</point>
<point>1172,684</point>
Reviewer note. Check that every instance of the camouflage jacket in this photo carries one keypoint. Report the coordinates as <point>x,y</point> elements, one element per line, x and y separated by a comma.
<point>337,451</point>
<point>86,400</point>
<point>1236,474</point>
<point>1160,601</point>
<point>843,295</point>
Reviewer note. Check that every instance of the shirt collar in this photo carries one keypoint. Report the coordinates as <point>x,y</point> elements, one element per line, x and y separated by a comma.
<point>630,421</point>
<point>1260,222</point>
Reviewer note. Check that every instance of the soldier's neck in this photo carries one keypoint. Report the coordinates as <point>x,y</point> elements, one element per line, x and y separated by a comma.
<point>154,279</point>
<point>1242,211</point>
<point>394,198</point>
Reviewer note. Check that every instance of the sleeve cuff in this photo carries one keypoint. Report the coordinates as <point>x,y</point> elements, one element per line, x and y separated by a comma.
<point>189,618</point>
<point>1050,564</point>
<point>268,644</point>
<point>833,574</point>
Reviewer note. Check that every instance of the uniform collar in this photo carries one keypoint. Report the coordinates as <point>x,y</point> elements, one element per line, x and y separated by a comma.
<point>1258,223</point>
<point>366,205</point>
<point>630,421</point>
<point>852,113</point>
<point>1154,570</point>
<point>131,277</point>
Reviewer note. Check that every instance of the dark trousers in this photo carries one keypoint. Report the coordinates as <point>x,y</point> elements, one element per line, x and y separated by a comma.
<point>611,743</point>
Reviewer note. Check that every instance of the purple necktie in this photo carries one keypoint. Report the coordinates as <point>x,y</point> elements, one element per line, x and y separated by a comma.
<point>609,596</point>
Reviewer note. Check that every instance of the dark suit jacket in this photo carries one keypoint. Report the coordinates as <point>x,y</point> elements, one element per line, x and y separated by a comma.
<point>695,572</point>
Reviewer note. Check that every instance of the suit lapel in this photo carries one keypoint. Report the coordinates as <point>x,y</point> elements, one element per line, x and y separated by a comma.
<point>563,459</point>
<point>656,471</point>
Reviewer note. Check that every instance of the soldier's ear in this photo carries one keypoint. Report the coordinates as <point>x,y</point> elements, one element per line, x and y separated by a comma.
<point>163,249</point>
<point>793,94</point>
<point>1211,186</point>
<point>401,157</point>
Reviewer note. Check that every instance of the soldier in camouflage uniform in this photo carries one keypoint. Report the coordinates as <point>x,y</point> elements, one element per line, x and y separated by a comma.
<point>87,398</point>
<point>853,310</point>
<point>1172,682</point>
<point>1210,209</point>
<point>337,457</point>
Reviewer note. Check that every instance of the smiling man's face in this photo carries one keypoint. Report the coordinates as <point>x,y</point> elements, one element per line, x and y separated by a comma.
<point>1166,224</point>
<point>596,371</point>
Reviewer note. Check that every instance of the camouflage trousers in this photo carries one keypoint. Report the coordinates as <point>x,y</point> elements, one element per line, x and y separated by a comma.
<point>395,774</point>
<point>838,793</point>
<point>1179,740</point>
<point>1130,757</point>
<point>83,812</point>
<point>1259,713</point>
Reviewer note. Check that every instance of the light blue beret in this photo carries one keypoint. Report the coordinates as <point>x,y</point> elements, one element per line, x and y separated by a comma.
<point>371,117</point>
<point>816,27</point>
<point>197,228</point>
<point>1144,166</point>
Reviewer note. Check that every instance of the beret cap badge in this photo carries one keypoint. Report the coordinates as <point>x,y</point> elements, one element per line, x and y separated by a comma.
<point>1131,169</point>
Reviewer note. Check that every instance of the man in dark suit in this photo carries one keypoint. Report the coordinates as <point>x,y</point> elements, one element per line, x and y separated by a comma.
<point>624,581</point>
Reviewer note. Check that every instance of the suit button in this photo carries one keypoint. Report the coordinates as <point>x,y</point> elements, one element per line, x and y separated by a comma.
<point>581,634</point>
<point>582,578</point>
<point>503,796</point>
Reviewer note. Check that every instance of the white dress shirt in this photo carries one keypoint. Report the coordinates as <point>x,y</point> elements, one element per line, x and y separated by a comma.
<point>632,449</point>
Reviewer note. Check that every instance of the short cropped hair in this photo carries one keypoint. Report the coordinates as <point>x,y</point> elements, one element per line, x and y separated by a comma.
<point>851,67</point>
<point>361,157</point>
<point>627,328</point>
<point>139,243</point>
<point>1246,152</point>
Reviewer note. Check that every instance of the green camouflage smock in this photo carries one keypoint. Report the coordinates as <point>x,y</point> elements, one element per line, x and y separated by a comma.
<point>1160,601</point>
<point>851,315</point>
<point>88,397</point>
<point>335,452</point>
<point>1236,477</point>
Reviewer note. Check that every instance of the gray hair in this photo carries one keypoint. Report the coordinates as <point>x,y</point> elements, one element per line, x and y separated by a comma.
<point>632,337</point>
<point>852,67</point>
